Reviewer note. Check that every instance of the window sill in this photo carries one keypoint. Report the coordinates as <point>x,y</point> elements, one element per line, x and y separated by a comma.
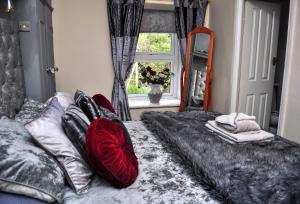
<point>145,103</point>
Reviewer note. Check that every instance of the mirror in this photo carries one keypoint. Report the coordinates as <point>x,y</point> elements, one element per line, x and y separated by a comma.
<point>196,74</point>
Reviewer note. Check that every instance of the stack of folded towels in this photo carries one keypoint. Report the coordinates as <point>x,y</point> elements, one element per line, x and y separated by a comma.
<point>238,128</point>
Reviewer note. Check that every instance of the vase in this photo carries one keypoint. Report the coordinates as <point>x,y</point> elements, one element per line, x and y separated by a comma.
<point>155,93</point>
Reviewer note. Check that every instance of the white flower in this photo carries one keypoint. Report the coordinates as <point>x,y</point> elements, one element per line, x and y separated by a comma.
<point>161,75</point>
<point>148,74</point>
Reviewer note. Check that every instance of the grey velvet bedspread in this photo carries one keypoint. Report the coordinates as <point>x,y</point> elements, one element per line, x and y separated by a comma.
<point>161,179</point>
<point>266,172</point>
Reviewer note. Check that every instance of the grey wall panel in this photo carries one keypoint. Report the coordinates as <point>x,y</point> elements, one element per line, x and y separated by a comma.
<point>34,71</point>
<point>26,11</point>
<point>32,50</point>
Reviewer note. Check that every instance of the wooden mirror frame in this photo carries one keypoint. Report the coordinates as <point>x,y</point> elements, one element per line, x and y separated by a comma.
<point>185,70</point>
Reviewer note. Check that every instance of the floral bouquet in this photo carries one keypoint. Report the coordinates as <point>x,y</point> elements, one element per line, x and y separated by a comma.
<point>149,76</point>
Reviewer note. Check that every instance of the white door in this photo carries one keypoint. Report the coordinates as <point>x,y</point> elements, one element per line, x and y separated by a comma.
<point>258,62</point>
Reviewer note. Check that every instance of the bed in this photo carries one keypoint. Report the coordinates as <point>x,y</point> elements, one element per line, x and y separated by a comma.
<point>163,177</point>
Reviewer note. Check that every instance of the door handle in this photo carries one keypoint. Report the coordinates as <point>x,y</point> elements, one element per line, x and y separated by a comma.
<point>52,70</point>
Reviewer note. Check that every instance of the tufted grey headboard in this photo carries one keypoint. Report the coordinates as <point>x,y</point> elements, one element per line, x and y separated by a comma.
<point>12,91</point>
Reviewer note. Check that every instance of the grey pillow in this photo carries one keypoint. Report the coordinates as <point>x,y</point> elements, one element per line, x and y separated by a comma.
<point>30,110</point>
<point>48,132</point>
<point>26,169</point>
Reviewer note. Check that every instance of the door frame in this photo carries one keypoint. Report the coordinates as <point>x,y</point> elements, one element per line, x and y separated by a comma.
<point>236,59</point>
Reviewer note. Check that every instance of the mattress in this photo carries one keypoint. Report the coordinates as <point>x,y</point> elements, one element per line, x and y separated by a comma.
<point>161,178</point>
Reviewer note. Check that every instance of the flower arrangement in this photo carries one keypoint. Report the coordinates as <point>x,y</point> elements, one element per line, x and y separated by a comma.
<point>149,76</point>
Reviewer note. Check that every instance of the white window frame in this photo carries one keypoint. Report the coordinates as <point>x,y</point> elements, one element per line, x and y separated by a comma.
<point>174,58</point>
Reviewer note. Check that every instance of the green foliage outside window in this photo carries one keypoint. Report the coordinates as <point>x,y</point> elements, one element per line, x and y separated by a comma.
<point>155,42</point>
<point>149,43</point>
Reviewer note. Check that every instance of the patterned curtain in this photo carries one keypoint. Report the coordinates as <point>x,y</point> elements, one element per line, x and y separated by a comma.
<point>188,15</point>
<point>124,18</point>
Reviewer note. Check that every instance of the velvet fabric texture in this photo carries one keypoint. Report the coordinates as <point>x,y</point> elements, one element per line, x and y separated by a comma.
<point>12,85</point>
<point>87,105</point>
<point>48,132</point>
<point>109,153</point>
<point>91,108</point>
<point>124,19</point>
<point>26,169</point>
<point>75,124</point>
<point>104,102</point>
<point>30,110</point>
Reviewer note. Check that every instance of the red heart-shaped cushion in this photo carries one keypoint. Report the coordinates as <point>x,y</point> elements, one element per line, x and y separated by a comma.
<point>110,154</point>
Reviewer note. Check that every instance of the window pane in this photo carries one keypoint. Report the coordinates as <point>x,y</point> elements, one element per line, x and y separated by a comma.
<point>155,42</point>
<point>134,86</point>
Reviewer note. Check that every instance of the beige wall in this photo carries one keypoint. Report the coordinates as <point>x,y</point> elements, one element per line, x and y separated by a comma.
<point>82,46</point>
<point>82,49</point>
<point>221,21</point>
<point>291,127</point>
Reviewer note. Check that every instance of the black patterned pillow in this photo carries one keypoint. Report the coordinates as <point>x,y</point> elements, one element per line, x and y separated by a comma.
<point>26,169</point>
<point>75,124</point>
<point>90,107</point>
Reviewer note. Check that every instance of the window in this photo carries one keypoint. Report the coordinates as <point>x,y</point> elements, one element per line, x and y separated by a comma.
<point>159,51</point>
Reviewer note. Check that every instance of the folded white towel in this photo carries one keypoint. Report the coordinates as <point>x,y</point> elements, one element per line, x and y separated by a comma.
<point>227,119</point>
<point>240,137</point>
<point>237,123</point>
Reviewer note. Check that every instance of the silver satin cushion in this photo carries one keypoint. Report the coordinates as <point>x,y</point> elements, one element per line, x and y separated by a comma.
<point>48,132</point>
<point>26,169</point>
<point>65,99</point>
